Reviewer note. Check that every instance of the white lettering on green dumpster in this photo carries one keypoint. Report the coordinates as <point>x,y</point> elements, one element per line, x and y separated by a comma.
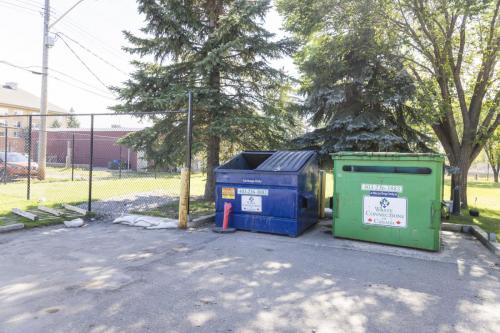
<point>251,203</point>
<point>253,191</point>
<point>385,211</point>
<point>382,187</point>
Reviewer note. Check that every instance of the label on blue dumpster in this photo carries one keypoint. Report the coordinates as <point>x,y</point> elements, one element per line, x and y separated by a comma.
<point>385,211</point>
<point>251,203</point>
<point>383,194</point>
<point>253,191</point>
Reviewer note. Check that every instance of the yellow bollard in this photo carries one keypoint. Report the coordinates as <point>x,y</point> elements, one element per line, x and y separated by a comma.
<point>184,198</point>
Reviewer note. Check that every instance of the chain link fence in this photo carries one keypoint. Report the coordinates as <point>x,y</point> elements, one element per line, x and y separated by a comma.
<point>84,163</point>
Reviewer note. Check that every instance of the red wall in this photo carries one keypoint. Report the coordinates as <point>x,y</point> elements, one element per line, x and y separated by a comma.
<point>105,147</point>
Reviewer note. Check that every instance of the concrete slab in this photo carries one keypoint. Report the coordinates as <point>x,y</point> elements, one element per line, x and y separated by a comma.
<point>111,278</point>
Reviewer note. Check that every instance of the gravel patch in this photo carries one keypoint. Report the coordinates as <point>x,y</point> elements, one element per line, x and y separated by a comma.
<point>119,205</point>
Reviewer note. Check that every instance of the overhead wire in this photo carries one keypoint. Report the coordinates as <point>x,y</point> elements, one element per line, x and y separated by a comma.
<point>20,67</point>
<point>82,88</point>
<point>91,52</point>
<point>97,93</point>
<point>36,4</point>
<point>104,46</point>
<point>83,63</point>
<point>13,5</point>
<point>77,80</point>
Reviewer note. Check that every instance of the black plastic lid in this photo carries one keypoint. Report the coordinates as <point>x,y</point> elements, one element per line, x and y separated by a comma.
<point>286,161</point>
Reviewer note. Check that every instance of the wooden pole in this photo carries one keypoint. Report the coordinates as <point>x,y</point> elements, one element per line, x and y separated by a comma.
<point>184,198</point>
<point>322,193</point>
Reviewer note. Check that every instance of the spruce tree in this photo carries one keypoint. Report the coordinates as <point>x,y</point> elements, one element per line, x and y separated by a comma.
<point>355,86</point>
<point>219,50</point>
<point>72,121</point>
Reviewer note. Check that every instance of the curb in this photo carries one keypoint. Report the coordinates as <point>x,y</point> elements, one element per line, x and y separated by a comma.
<point>475,231</point>
<point>11,227</point>
<point>197,222</point>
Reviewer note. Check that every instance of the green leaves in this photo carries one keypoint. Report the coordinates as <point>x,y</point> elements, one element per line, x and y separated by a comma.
<point>355,86</point>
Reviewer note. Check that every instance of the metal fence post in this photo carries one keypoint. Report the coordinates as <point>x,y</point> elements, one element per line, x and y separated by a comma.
<point>189,146</point>
<point>120,163</point>
<point>30,126</point>
<point>73,157</point>
<point>189,131</point>
<point>5,155</point>
<point>91,162</point>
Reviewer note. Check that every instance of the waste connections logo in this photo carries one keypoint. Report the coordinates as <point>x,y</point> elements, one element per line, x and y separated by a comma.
<point>384,203</point>
<point>387,212</point>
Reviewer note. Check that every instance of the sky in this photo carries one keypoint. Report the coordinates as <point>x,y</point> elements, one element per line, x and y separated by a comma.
<point>94,31</point>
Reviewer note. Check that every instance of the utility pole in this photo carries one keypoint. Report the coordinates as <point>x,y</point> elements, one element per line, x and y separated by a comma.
<point>42,137</point>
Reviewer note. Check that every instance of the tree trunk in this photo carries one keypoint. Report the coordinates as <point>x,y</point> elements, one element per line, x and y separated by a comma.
<point>213,150</point>
<point>215,8</point>
<point>495,174</point>
<point>460,179</point>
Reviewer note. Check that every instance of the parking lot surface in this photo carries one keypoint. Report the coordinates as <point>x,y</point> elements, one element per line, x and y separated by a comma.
<point>113,278</point>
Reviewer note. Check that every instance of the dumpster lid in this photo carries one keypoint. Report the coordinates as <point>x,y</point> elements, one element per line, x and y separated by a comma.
<point>286,161</point>
<point>393,155</point>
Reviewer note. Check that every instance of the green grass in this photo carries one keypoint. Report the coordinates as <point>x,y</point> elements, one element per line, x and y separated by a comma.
<point>197,208</point>
<point>58,189</point>
<point>485,196</point>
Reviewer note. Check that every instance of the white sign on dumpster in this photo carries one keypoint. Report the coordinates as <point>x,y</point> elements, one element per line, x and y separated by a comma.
<point>385,211</point>
<point>251,203</point>
<point>382,187</point>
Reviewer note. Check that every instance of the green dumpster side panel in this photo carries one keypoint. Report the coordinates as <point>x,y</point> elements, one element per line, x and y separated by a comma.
<point>389,198</point>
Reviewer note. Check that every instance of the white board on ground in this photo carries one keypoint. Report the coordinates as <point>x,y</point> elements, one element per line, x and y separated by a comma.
<point>50,210</point>
<point>75,209</point>
<point>28,215</point>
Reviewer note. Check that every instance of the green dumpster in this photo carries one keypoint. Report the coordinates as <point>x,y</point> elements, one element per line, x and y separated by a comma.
<point>389,198</point>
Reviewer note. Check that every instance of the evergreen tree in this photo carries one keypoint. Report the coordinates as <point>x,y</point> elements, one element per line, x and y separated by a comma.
<point>72,121</point>
<point>353,80</point>
<point>55,124</point>
<point>219,50</point>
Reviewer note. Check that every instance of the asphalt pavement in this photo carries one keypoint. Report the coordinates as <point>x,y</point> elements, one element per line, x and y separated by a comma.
<point>114,278</point>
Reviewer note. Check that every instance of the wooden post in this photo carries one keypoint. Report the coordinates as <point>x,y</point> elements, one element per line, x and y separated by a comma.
<point>184,198</point>
<point>322,193</point>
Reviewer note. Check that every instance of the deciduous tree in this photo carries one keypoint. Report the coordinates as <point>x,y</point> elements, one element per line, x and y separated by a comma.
<point>452,50</point>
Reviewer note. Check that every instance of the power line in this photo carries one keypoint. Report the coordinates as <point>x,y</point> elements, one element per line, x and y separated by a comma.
<point>91,52</point>
<point>65,13</point>
<point>78,80</point>
<point>35,4</point>
<point>27,69</point>
<point>92,38</point>
<point>17,6</point>
<point>83,63</point>
<point>82,88</point>
<point>97,93</point>
<point>20,67</point>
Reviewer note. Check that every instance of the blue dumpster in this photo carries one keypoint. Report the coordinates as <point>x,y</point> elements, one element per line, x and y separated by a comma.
<point>270,191</point>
